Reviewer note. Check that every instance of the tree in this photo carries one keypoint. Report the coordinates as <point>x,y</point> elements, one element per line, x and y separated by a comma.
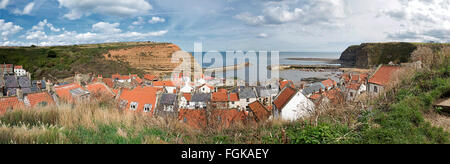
<point>51,54</point>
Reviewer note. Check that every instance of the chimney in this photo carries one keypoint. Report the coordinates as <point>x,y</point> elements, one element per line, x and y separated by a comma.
<point>29,75</point>
<point>19,93</point>
<point>302,86</point>
<point>48,86</point>
<point>100,79</point>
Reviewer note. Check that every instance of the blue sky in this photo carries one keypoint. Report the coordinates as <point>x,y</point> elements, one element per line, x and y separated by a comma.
<point>282,25</point>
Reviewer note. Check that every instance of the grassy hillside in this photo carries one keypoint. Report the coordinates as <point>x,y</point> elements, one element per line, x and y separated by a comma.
<point>63,61</point>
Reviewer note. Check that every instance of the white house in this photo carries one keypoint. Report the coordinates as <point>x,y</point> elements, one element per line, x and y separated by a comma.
<point>354,90</point>
<point>184,102</point>
<point>206,88</point>
<point>291,105</point>
<point>246,96</point>
<point>233,101</point>
<point>19,71</point>
<point>382,78</point>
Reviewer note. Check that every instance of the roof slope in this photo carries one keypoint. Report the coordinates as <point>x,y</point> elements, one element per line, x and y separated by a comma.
<point>259,111</point>
<point>9,103</point>
<point>384,75</point>
<point>39,98</point>
<point>140,95</point>
<point>284,97</point>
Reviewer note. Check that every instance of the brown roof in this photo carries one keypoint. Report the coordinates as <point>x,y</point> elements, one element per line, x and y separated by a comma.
<point>43,97</point>
<point>219,97</point>
<point>329,83</point>
<point>259,111</point>
<point>99,88</point>
<point>354,86</point>
<point>226,117</point>
<point>63,91</point>
<point>234,97</point>
<point>140,95</point>
<point>383,75</point>
<point>284,97</point>
<point>194,118</point>
<point>286,83</point>
<point>9,103</point>
<point>187,96</point>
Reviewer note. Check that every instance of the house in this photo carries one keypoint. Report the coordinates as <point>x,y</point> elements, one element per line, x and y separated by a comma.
<point>225,118</point>
<point>206,88</point>
<point>266,95</point>
<point>19,71</point>
<point>9,104</point>
<point>185,100</point>
<point>168,86</point>
<point>354,90</point>
<point>219,100</point>
<point>286,83</point>
<point>247,95</point>
<point>194,118</point>
<point>187,88</point>
<point>233,102</point>
<point>382,78</point>
<point>167,105</point>
<point>313,88</point>
<point>71,93</point>
<point>260,112</point>
<point>42,99</point>
<point>25,84</point>
<point>150,78</point>
<point>11,85</point>
<point>140,99</point>
<point>200,100</point>
<point>7,69</point>
<point>291,104</point>
<point>329,84</point>
<point>99,89</point>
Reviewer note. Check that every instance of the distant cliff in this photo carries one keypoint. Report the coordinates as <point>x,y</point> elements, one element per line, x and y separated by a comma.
<point>373,54</point>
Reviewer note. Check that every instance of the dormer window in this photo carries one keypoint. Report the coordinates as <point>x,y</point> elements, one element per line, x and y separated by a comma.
<point>133,105</point>
<point>147,108</point>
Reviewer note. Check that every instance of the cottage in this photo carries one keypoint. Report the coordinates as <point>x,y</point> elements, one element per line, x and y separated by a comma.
<point>167,105</point>
<point>71,92</point>
<point>233,101</point>
<point>187,88</point>
<point>219,100</point>
<point>206,88</point>
<point>99,89</point>
<point>200,100</point>
<point>42,99</point>
<point>19,71</point>
<point>247,95</point>
<point>168,86</point>
<point>382,77</point>
<point>9,104</point>
<point>329,84</point>
<point>313,88</point>
<point>260,112</point>
<point>291,105</point>
<point>354,90</point>
<point>140,99</point>
<point>266,95</point>
<point>194,118</point>
<point>7,69</point>
<point>224,118</point>
<point>184,101</point>
<point>286,83</point>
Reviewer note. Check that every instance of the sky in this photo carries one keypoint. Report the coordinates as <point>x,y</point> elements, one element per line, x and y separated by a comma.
<point>260,25</point>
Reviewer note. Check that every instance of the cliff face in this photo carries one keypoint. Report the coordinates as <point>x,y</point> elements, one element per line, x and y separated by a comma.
<point>372,54</point>
<point>155,59</point>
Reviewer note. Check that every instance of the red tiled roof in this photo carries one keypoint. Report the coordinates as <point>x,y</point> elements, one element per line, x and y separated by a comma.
<point>259,111</point>
<point>18,67</point>
<point>284,97</point>
<point>234,97</point>
<point>108,82</point>
<point>137,78</point>
<point>354,86</point>
<point>63,91</point>
<point>9,102</point>
<point>6,65</point>
<point>140,95</point>
<point>150,77</point>
<point>383,75</point>
<point>335,96</point>
<point>226,117</point>
<point>163,84</point>
<point>223,90</point>
<point>346,77</point>
<point>36,98</point>
<point>329,83</point>
<point>187,96</point>
<point>315,96</point>
<point>194,118</point>
<point>355,77</point>
<point>219,97</point>
<point>99,88</point>
<point>286,82</point>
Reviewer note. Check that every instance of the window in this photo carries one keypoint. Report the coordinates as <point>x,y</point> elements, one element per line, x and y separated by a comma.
<point>248,100</point>
<point>43,104</point>
<point>351,94</point>
<point>375,89</point>
<point>232,102</point>
<point>147,108</point>
<point>133,105</point>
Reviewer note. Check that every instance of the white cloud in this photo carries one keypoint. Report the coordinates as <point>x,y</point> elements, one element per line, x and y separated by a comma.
<point>139,21</point>
<point>3,4</point>
<point>26,11</point>
<point>42,24</point>
<point>262,35</point>
<point>80,8</point>
<point>105,27</point>
<point>155,20</point>
<point>7,29</point>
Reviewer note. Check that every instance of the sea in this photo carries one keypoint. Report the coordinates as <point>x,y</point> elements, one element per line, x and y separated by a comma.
<point>285,58</point>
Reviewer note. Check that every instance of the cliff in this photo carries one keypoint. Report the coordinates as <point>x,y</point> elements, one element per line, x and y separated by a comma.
<point>372,54</point>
